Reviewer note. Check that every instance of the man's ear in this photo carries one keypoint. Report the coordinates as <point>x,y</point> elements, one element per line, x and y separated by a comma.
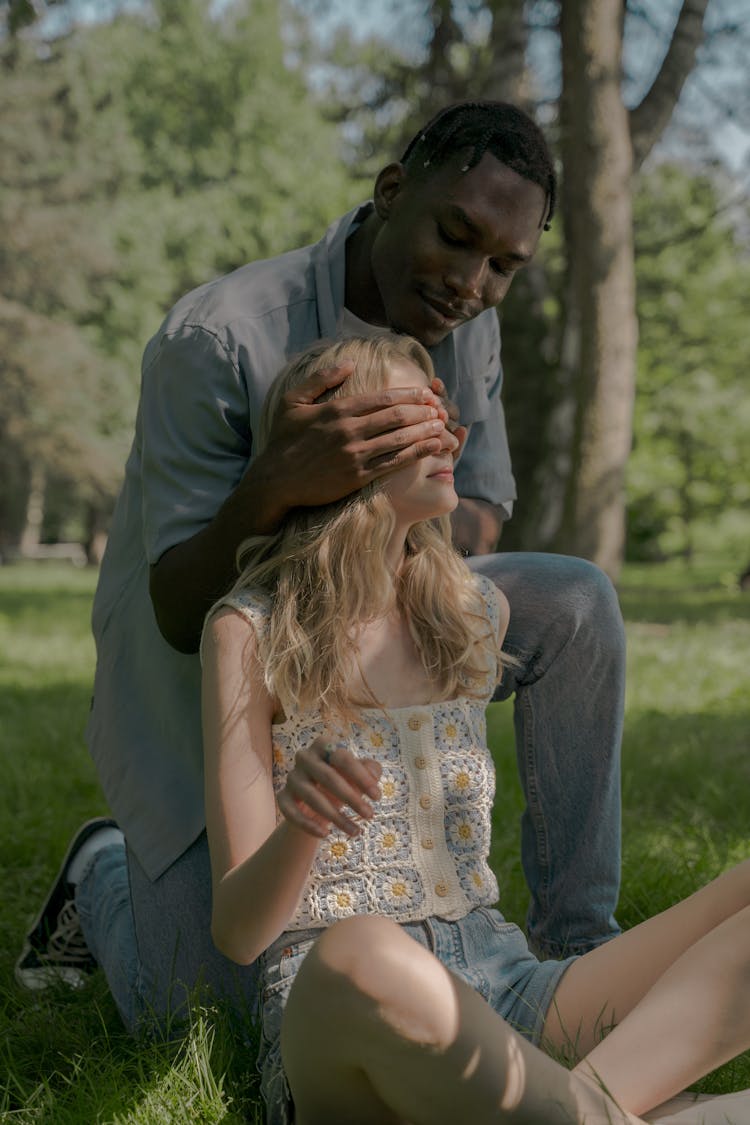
<point>388,186</point>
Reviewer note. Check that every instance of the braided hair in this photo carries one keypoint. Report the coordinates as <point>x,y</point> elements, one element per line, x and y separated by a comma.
<point>499,128</point>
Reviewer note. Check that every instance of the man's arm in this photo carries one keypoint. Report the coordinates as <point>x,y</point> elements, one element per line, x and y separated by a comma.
<point>477,526</point>
<point>316,453</point>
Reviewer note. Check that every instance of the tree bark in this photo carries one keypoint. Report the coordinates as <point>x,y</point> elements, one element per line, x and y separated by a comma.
<point>508,78</point>
<point>598,161</point>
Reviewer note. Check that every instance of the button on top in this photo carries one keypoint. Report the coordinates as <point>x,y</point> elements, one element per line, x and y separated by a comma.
<point>441,889</point>
<point>414,723</point>
<point>428,843</point>
<point>426,801</point>
<point>420,762</point>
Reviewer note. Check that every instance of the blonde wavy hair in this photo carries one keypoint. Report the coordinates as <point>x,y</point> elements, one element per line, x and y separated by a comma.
<point>324,569</point>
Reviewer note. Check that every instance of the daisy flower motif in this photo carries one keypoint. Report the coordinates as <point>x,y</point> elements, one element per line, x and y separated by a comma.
<point>339,855</point>
<point>477,881</point>
<point>394,790</point>
<point>464,779</point>
<point>450,729</point>
<point>398,893</point>
<point>283,754</point>
<point>465,830</point>
<point>342,900</point>
<point>400,889</point>
<point>378,735</point>
<point>462,833</point>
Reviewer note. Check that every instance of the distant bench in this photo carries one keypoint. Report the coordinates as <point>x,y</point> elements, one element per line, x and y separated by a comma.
<point>73,552</point>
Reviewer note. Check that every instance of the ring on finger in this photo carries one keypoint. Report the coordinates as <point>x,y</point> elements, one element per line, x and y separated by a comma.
<point>328,753</point>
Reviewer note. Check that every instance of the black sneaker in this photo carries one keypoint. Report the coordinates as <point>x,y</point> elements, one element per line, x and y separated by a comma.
<point>55,948</point>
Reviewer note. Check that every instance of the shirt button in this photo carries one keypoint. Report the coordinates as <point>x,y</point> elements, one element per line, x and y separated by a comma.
<point>426,801</point>
<point>428,843</point>
<point>441,889</point>
<point>420,762</point>
<point>414,723</point>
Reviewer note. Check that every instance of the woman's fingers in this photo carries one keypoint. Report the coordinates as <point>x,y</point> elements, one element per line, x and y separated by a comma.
<point>327,779</point>
<point>335,769</point>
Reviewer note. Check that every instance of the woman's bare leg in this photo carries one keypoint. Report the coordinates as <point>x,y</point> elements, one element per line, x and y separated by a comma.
<point>678,989</point>
<point>377,1031</point>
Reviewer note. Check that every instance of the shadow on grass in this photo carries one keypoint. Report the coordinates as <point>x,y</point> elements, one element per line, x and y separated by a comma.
<point>67,1059</point>
<point>701,758</point>
<point>667,594</point>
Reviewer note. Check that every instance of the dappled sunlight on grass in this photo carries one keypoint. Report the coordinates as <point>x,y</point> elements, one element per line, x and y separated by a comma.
<point>671,592</point>
<point>686,810</point>
<point>44,624</point>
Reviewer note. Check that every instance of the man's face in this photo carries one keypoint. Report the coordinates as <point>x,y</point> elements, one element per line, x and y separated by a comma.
<point>450,243</point>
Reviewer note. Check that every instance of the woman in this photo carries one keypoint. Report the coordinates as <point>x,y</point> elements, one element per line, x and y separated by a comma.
<point>348,799</point>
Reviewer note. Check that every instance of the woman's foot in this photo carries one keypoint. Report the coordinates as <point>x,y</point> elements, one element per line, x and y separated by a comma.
<point>703,1109</point>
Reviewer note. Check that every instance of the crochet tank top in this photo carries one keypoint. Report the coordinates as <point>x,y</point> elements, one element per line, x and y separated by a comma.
<point>424,853</point>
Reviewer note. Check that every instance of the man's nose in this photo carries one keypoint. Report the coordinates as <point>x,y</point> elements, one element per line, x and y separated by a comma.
<point>467,279</point>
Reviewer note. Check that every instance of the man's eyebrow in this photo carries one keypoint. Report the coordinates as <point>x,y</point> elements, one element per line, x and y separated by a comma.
<point>460,216</point>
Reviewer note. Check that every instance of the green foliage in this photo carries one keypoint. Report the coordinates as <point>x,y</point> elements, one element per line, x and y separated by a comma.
<point>139,158</point>
<point>689,475</point>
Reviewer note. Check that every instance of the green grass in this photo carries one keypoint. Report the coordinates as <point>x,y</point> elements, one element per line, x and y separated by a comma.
<point>65,1060</point>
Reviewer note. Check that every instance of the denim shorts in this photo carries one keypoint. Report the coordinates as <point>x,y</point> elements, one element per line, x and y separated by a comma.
<point>487,952</point>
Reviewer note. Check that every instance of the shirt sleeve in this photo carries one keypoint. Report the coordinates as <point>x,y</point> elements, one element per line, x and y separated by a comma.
<point>195,435</point>
<point>484,469</point>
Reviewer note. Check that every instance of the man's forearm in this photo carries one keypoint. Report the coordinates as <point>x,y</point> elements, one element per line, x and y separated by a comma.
<point>191,576</point>
<point>477,525</point>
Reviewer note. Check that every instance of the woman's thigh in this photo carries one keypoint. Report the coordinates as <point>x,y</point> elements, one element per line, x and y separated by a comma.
<point>602,987</point>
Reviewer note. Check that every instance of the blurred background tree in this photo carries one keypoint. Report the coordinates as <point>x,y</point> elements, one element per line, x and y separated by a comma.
<point>140,155</point>
<point>688,479</point>
<point>148,146</point>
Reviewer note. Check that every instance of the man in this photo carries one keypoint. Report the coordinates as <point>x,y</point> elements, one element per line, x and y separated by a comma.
<point>432,256</point>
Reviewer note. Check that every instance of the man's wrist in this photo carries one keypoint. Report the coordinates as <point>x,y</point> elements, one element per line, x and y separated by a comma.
<point>259,503</point>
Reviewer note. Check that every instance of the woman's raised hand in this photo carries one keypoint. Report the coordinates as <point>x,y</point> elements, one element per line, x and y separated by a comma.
<point>326,779</point>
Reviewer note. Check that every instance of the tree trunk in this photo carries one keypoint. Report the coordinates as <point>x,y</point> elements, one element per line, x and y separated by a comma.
<point>508,78</point>
<point>598,160</point>
<point>32,531</point>
<point>97,520</point>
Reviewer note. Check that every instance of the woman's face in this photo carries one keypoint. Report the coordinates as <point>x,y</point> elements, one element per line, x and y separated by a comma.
<point>425,489</point>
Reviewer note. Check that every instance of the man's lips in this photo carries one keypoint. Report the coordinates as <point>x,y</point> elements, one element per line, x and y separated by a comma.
<point>454,314</point>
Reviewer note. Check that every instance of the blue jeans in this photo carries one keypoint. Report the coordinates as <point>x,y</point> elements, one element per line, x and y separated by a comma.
<point>567,634</point>
<point>566,630</point>
<point>153,938</point>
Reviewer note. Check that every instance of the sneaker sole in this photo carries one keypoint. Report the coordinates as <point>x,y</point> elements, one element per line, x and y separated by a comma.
<point>40,977</point>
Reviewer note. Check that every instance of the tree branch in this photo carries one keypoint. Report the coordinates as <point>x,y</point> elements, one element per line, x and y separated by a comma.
<point>650,118</point>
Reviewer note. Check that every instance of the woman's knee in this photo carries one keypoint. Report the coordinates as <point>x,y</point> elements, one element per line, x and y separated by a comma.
<point>367,968</point>
<point>356,950</point>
